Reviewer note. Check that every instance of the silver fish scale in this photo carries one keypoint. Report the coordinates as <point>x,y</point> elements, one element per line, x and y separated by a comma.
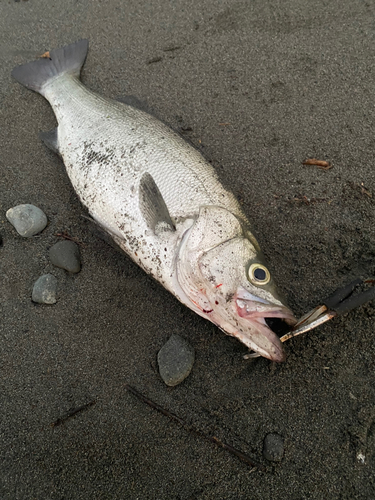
<point>134,143</point>
<point>107,146</point>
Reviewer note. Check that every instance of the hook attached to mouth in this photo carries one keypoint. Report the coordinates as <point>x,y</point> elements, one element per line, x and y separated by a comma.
<point>340,302</point>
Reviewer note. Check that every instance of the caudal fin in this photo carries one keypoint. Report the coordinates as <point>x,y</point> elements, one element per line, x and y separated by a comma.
<point>35,75</point>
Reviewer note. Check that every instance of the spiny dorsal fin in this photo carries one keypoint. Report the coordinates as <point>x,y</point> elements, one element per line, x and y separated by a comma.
<point>134,102</point>
<point>152,204</point>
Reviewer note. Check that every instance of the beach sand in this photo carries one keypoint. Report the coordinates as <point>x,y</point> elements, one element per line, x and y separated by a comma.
<point>257,87</point>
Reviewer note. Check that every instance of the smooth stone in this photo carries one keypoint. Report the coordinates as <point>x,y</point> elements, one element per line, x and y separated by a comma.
<point>44,290</point>
<point>273,447</point>
<point>27,219</point>
<point>176,359</point>
<point>65,254</point>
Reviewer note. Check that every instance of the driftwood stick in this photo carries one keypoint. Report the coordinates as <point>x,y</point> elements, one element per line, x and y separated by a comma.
<point>212,439</point>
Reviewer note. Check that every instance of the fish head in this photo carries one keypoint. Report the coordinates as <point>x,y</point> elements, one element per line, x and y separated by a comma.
<point>222,271</point>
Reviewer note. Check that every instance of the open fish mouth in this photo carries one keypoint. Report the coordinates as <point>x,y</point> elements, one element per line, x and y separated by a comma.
<point>259,323</point>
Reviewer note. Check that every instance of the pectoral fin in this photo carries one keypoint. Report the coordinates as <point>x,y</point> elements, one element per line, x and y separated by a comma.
<point>152,205</point>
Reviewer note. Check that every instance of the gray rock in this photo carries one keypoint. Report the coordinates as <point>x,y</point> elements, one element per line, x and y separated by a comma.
<point>175,359</point>
<point>44,290</point>
<point>273,447</point>
<point>65,254</point>
<point>27,219</point>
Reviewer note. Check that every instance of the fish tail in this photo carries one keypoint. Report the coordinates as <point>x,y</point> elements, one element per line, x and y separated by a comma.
<point>37,74</point>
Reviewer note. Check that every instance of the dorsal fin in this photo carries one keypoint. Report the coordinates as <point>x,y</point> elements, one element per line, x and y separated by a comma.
<point>152,204</point>
<point>134,102</point>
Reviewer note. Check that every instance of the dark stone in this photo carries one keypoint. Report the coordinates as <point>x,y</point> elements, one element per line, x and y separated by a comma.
<point>44,290</point>
<point>176,359</point>
<point>273,447</point>
<point>65,254</point>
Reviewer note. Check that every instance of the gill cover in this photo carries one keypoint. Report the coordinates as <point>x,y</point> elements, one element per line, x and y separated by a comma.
<point>218,246</point>
<point>213,226</point>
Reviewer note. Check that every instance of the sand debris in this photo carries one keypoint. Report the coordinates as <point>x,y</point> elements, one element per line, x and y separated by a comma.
<point>322,164</point>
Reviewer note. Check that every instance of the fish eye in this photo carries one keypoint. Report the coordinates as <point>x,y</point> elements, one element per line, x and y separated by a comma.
<point>259,274</point>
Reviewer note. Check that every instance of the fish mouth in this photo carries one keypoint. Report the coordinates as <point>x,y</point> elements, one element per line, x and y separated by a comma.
<point>256,319</point>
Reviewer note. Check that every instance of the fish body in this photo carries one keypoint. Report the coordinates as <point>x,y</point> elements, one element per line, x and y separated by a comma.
<point>160,201</point>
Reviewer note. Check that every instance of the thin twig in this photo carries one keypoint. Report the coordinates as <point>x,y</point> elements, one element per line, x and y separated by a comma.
<point>322,164</point>
<point>66,236</point>
<point>71,413</point>
<point>212,439</point>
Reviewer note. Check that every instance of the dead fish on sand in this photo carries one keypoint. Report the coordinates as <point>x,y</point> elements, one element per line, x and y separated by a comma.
<point>160,201</point>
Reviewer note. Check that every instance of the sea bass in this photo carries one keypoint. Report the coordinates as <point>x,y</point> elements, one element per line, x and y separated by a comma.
<point>160,201</point>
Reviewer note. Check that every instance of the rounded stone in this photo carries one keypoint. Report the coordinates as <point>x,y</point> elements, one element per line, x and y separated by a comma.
<point>176,359</point>
<point>273,447</point>
<point>65,254</point>
<point>44,290</point>
<point>27,219</point>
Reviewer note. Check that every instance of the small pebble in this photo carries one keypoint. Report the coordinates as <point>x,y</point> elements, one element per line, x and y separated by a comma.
<point>44,290</point>
<point>273,447</point>
<point>65,254</point>
<point>175,359</point>
<point>27,219</point>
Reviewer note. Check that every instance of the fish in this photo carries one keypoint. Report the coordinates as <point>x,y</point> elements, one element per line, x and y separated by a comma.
<point>160,201</point>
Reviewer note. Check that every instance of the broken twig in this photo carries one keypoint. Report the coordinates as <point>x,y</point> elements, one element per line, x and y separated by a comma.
<point>66,236</point>
<point>308,201</point>
<point>71,414</point>
<point>154,60</point>
<point>365,190</point>
<point>212,439</point>
<point>323,165</point>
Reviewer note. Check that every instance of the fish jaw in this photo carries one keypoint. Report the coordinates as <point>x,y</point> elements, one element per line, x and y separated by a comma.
<point>242,318</point>
<point>260,338</point>
<point>253,330</point>
<point>248,325</point>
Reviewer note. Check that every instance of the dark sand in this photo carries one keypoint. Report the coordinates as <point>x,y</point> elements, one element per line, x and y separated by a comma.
<point>291,80</point>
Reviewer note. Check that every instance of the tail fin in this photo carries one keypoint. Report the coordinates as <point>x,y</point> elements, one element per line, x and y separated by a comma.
<point>35,75</point>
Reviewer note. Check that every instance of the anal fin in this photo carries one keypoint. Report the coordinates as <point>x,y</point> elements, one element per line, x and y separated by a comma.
<point>50,140</point>
<point>99,232</point>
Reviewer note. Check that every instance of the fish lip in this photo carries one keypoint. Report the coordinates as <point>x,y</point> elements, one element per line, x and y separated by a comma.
<point>252,309</point>
<point>253,313</point>
<point>261,339</point>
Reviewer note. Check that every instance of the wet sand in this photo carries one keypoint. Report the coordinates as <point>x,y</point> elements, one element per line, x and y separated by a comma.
<point>258,87</point>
